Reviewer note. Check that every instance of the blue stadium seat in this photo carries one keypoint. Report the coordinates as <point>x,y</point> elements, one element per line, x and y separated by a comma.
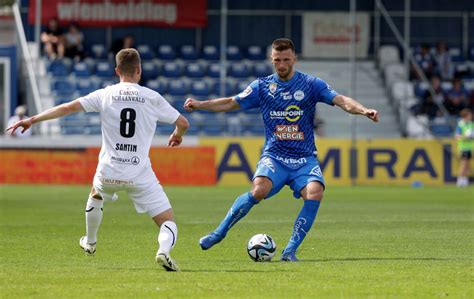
<point>213,129</point>
<point>171,70</point>
<point>63,87</point>
<point>194,70</point>
<point>179,105</point>
<point>160,86</point>
<point>214,70</point>
<point>233,53</point>
<point>58,68</point>
<point>81,69</point>
<point>200,88</point>
<point>456,54</point>
<point>262,70</point>
<point>441,130</point>
<point>163,129</point>
<point>145,52</point>
<point>420,89</point>
<point>210,53</point>
<point>255,53</point>
<point>99,51</point>
<point>85,86</point>
<point>104,70</point>
<point>193,130</point>
<point>188,52</point>
<point>229,88</point>
<point>93,130</point>
<point>105,83</point>
<point>166,52</point>
<point>178,88</point>
<point>241,86</point>
<point>239,70</point>
<point>149,70</point>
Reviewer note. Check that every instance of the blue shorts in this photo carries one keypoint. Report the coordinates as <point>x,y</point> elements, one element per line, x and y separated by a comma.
<point>281,174</point>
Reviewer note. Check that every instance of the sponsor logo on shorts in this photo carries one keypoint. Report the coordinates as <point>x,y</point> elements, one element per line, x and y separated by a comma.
<point>291,160</point>
<point>114,181</point>
<point>316,171</point>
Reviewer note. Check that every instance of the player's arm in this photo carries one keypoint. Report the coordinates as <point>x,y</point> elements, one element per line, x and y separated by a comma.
<point>352,106</point>
<point>215,105</point>
<point>52,113</point>
<point>176,137</point>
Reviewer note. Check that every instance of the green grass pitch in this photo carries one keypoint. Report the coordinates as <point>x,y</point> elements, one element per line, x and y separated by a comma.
<point>376,242</point>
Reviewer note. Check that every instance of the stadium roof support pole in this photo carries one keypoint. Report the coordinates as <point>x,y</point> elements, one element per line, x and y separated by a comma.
<point>352,17</point>
<point>406,36</point>
<point>376,30</point>
<point>223,45</point>
<point>465,35</point>
<point>38,27</point>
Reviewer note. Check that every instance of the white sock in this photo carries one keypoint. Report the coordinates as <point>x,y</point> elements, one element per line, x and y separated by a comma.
<point>459,181</point>
<point>93,218</point>
<point>167,237</point>
<point>465,181</point>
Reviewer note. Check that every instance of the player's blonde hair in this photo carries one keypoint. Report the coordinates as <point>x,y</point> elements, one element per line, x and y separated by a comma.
<point>127,61</point>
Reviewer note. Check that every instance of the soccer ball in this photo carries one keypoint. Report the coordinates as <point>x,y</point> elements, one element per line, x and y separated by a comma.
<point>261,248</point>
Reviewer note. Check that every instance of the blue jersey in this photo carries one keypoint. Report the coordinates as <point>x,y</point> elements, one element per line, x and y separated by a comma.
<point>288,110</point>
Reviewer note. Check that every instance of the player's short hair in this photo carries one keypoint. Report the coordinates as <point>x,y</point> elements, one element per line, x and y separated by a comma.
<point>465,112</point>
<point>282,44</point>
<point>127,61</point>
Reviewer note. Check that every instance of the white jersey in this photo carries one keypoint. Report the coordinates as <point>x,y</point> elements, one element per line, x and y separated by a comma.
<point>129,113</point>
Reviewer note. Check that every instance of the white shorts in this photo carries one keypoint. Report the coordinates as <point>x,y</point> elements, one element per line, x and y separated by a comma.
<point>145,191</point>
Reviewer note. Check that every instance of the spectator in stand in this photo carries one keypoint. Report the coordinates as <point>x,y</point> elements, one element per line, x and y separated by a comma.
<point>426,61</point>
<point>456,99</point>
<point>123,43</point>
<point>440,97</point>
<point>444,65</point>
<point>74,39</point>
<point>53,39</point>
<point>427,107</point>
<point>20,113</point>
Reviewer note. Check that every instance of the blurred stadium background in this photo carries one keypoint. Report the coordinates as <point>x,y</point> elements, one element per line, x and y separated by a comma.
<point>215,48</point>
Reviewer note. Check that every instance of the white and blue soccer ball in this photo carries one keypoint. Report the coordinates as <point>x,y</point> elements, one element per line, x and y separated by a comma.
<point>261,248</point>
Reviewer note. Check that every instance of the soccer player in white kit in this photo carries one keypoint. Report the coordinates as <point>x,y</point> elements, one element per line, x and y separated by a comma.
<point>129,113</point>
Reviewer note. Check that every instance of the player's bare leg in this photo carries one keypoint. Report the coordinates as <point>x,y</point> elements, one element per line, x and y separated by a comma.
<point>166,239</point>
<point>463,179</point>
<point>94,210</point>
<point>261,186</point>
<point>312,195</point>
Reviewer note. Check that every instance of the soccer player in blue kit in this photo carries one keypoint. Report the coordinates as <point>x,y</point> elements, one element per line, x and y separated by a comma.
<point>287,100</point>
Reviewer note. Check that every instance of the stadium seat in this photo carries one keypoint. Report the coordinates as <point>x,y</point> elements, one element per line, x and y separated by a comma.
<point>213,129</point>
<point>104,70</point>
<point>393,73</point>
<point>214,70</point>
<point>194,70</point>
<point>59,68</point>
<point>63,87</point>
<point>261,70</point>
<point>402,90</point>
<point>421,88</point>
<point>166,52</point>
<point>456,54</point>
<point>178,88</point>
<point>255,53</point>
<point>239,70</point>
<point>387,55</point>
<point>81,69</point>
<point>188,52</point>
<point>179,105</point>
<point>233,53</point>
<point>105,83</point>
<point>171,70</point>
<point>85,86</point>
<point>469,84</point>
<point>241,86</point>
<point>160,86</point>
<point>441,130</point>
<point>149,70</point>
<point>145,52</point>
<point>200,88</point>
<point>210,53</point>
<point>99,51</point>
<point>417,126</point>
<point>446,86</point>
<point>229,88</point>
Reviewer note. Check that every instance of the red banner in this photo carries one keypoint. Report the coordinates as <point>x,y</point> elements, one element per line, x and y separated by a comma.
<point>164,13</point>
<point>172,166</point>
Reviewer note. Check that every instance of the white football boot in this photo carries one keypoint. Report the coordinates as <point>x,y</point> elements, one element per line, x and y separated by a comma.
<point>166,262</point>
<point>89,249</point>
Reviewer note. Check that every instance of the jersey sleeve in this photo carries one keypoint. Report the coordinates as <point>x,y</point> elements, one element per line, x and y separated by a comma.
<point>249,98</point>
<point>458,130</point>
<point>164,112</point>
<point>324,92</point>
<point>92,102</point>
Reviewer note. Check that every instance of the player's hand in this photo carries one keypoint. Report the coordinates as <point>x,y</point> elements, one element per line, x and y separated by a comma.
<point>191,104</point>
<point>24,123</point>
<point>174,140</point>
<point>372,114</point>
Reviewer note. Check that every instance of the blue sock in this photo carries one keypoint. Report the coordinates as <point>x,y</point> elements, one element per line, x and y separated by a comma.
<point>302,224</point>
<point>239,209</point>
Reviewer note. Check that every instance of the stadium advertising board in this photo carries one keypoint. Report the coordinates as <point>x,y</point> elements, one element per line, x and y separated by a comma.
<point>328,35</point>
<point>166,13</point>
<point>174,166</point>
<point>376,162</point>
